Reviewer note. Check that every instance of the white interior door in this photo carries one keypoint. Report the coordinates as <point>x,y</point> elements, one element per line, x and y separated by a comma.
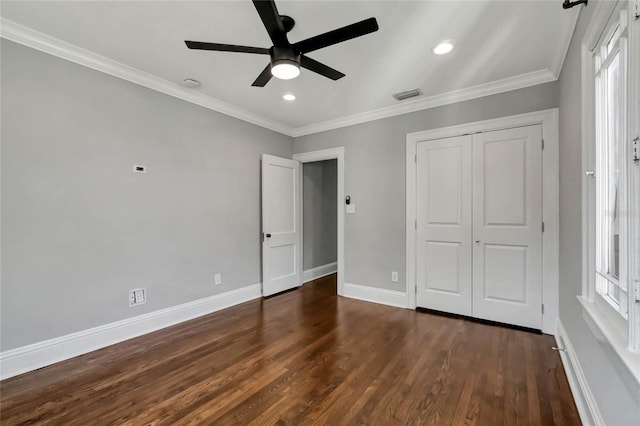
<point>444,225</point>
<point>281,224</point>
<point>507,226</point>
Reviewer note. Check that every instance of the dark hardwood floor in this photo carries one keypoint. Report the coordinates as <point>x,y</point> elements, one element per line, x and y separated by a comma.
<point>305,357</point>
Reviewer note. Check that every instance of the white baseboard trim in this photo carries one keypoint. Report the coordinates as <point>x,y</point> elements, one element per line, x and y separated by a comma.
<point>582,395</point>
<point>38,355</point>
<point>376,295</point>
<point>319,272</point>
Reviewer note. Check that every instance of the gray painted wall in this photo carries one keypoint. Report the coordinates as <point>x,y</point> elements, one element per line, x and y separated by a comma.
<point>375,176</point>
<point>320,219</point>
<point>618,397</point>
<point>79,229</point>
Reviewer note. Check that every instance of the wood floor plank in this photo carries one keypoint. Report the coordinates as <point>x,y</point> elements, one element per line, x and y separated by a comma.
<point>300,358</point>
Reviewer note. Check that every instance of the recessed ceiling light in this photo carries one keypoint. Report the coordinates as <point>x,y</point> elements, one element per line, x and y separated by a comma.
<point>442,48</point>
<point>289,97</point>
<point>190,82</point>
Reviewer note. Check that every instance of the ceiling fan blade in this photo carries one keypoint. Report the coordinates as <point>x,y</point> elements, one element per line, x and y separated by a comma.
<point>337,36</point>
<point>263,78</point>
<point>272,22</point>
<point>320,68</point>
<point>201,45</point>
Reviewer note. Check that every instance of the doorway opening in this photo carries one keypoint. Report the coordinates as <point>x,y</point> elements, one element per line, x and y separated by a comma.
<point>320,219</point>
<point>323,178</point>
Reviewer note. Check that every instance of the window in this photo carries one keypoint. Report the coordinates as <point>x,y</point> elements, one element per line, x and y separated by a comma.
<point>610,63</point>
<point>611,190</point>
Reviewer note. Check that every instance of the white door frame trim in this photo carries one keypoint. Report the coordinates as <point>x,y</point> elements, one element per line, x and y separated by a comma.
<point>331,154</point>
<point>550,200</point>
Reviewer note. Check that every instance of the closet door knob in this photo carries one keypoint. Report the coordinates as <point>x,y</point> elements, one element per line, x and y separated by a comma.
<point>477,241</point>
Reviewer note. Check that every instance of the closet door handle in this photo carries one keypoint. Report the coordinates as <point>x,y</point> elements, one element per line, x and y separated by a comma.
<point>477,241</point>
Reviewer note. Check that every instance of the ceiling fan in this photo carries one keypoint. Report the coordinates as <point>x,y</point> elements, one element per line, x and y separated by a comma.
<point>287,58</point>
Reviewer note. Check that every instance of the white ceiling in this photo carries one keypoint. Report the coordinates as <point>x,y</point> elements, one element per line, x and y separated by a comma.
<point>494,40</point>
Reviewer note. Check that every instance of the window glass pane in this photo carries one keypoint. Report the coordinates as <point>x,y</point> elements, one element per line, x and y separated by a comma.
<point>601,176</point>
<point>614,293</point>
<point>612,199</point>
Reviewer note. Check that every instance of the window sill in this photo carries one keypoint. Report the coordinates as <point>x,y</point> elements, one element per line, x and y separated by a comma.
<point>608,335</point>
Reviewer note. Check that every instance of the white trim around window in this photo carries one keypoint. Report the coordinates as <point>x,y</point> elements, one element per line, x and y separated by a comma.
<point>615,321</point>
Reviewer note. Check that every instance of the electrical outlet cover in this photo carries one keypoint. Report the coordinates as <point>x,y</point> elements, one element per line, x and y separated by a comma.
<point>137,296</point>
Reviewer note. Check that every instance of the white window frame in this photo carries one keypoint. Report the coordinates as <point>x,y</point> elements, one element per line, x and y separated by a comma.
<point>618,326</point>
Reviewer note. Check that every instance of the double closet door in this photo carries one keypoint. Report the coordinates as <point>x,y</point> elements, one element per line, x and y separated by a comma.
<point>479,210</point>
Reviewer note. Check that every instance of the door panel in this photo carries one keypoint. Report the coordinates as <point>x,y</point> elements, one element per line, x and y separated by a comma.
<point>444,180</point>
<point>444,225</point>
<point>282,261</point>
<point>504,181</point>
<point>441,265</point>
<point>505,273</point>
<point>282,198</point>
<point>507,206</point>
<point>281,225</point>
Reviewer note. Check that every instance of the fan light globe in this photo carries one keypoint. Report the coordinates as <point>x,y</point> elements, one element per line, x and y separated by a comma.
<point>285,70</point>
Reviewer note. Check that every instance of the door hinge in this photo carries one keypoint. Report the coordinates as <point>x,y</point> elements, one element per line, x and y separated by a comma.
<point>542,143</point>
<point>542,226</point>
<point>636,291</point>
<point>543,308</point>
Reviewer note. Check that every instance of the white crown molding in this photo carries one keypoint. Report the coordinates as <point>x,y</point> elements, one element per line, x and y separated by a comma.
<point>473,92</point>
<point>558,62</point>
<point>36,40</point>
<point>40,354</point>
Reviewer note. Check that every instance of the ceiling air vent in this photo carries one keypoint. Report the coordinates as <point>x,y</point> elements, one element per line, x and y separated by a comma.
<point>408,94</point>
